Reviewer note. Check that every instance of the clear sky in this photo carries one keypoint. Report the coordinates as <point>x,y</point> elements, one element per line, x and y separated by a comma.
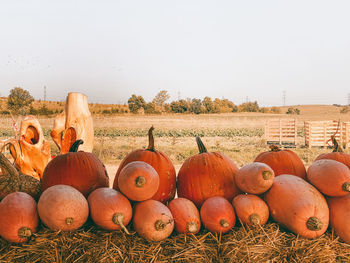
<point>239,50</point>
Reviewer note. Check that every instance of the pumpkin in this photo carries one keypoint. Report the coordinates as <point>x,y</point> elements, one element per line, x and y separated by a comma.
<point>205,175</point>
<point>186,216</point>
<point>62,207</point>
<point>217,214</point>
<point>160,162</point>
<point>109,209</point>
<point>81,170</point>
<point>282,162</point>
<point>153,220</point>
<point>11,180</point>
<point>330,177</point>
<point>138,181</point>
<point>251,209</point>
<point>254,178</point>
<point>18,217</point>
<point>298,206</point>
<point>336,155</point>
<point>339,213</point>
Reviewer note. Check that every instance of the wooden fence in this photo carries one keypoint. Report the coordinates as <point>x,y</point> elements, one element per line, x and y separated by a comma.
<point>282,132</point>
<point>318,133</point>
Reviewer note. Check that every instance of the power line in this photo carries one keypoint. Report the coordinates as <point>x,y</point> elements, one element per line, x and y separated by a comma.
<point>348,98</point>
<point>284,98</point>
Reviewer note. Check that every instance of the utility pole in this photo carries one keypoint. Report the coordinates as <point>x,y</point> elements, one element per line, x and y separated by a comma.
<point>348,98</point>
<point>44,93</point>
<point>284,98</point>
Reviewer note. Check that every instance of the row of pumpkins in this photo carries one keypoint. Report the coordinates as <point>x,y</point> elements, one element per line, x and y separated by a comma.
<point>211,191</point>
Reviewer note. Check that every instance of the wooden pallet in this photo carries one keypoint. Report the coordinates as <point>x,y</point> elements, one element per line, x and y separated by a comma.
<point>318,133</point>
<point>282,132</point>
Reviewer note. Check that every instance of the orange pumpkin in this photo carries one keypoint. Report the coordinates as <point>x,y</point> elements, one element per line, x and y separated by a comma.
<point>336,155</point>
<point>62,207</point>
<point>205,175</point>
<point>330,177</point>
<point>153,220</point>
<point>186,216</point>
<point>217,214</point>
<point>109,209</point>
<point>251,209</point>
<point>254,178</point>
<point>18,217</point>
<point>297,205</point>
<point>282,162</point>
<point>138,181</point>
<point>160,162</point>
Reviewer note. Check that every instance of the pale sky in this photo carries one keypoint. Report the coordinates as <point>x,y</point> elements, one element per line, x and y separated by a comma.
<point>109,50</point>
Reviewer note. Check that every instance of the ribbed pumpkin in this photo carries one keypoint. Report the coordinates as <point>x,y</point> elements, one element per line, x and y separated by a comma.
<point>81,170</point>
<point>18,217</point>
<point>339,213</point>
<point>160,162</point>
<point>138,180</point>
<point>330,177</point>
<point>282,162</point>
<point>297,205</point>
<point>251,209</point>
<point>109,209</point>
<point>337,154</point>
<point>186,216</point>
<point>217,214</point>
<point>153,220</point>
<point>254,178</point>
<point>62,207</point>
<point>205,175</point>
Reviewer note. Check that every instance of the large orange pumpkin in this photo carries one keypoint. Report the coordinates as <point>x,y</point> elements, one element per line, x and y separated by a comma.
<point>205,175</point>
<point>160,162</point>
<point>297,205</point>
<point>283,162</point>
<point>337,154</point>
<point>82,170</point>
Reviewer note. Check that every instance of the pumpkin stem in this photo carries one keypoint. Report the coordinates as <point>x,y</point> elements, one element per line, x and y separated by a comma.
<point>201,146</point>
<point>192,227</point>
<point>140,181</point>
<point>274,148</point>
<point>69,220</point>
<point>336,147</point>
<point>150,139</point>
<point>75,146</point>
<point>254,219</point>
<point>346,186</point>
<point>159,225</point>
<point>9,170</point>
<point>314,224</point>
<point>224,223</point>
<point>267,175</point>
<point>118,219</point>
<point>24,232</point>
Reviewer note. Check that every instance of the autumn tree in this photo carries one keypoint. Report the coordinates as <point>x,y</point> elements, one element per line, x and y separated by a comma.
<point>161,98</point>
<point>19,100</point>
<point>135,103</point>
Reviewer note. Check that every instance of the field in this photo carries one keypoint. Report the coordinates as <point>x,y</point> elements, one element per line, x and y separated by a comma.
<point>238,135</point>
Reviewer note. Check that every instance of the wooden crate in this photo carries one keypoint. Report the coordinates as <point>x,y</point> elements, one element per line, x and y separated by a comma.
<point>282,132</point>
<point>345,134</point>
<point>318,133</point>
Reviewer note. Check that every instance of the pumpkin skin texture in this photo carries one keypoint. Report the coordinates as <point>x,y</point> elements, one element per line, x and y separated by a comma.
<point>217,214</point>
<point>81,170</point>
<point>330,177</point>
<point>109,209</point>
<point>254,178</point>
<point>153,220</point>
<point>283,162</point>
<point>205,175</point>
<point>138,181</point>
<point>298,206</point>
<point>160,162</point>
<point>251,209</point>
<point>186,216</point>
<point>18,217</point>
<point>62,207</point>
<point>339,210</point>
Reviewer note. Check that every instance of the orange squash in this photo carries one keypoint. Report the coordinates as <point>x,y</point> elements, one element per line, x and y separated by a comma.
<point>138,180</point>
<point>109,209</point>
<point>217,214</point>
<point>153,220</point>
<point>62,207</point>
<point>186,216</point>
<point>254,178</point>
<point>18,217</point>
<point>330,177</point>
<point>283,162</point>
<point>251,209</point>
<point>297,205</point>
